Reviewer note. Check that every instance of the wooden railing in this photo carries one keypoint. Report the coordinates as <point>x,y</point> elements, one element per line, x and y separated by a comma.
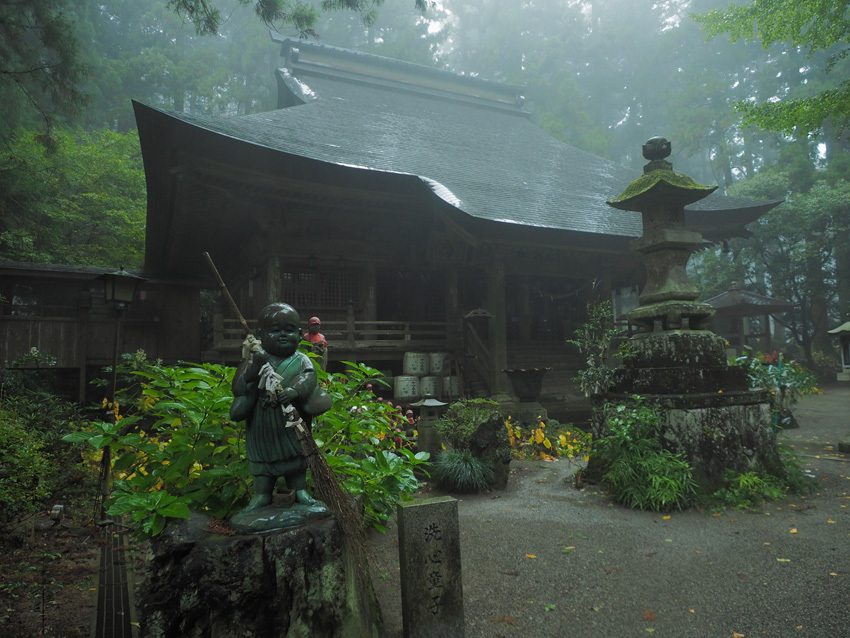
<point>350,335</point>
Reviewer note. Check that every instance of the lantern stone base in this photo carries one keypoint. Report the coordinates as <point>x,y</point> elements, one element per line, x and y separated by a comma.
<point>714,431</point>
<point>295,582</point>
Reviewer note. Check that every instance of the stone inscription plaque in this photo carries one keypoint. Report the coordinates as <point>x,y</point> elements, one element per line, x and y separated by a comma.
<point>429,557</point>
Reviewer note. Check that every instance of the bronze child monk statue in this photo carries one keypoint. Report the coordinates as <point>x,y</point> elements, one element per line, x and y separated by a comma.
<point>273,376</point>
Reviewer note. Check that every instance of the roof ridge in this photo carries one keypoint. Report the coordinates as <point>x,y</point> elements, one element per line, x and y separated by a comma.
<point>347,64</point>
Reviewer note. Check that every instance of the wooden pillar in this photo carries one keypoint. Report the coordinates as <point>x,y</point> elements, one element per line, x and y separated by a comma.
<point>274,291</point>
<point>498,326</point>
<point>452,305</point>
<point>83,305</point>
<point>524,303</point>
<point>369,278</point>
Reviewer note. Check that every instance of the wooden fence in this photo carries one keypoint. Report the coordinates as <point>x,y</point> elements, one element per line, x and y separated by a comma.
<point>351,336</point>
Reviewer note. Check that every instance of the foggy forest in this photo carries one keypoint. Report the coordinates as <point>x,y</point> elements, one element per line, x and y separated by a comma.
<point>601,75</point>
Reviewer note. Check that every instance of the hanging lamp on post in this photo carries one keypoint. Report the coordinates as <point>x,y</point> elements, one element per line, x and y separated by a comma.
<point>119,289</point>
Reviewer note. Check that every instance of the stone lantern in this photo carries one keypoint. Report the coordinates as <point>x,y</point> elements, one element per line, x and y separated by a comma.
<point>708,413</point>
<point>673,340</point>
<point>429,437</point>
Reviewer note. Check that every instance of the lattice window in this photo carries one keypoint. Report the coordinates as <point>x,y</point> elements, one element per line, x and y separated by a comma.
<point>319,290</point>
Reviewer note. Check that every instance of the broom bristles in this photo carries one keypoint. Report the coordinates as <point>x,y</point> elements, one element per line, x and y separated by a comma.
<point>329,491</point>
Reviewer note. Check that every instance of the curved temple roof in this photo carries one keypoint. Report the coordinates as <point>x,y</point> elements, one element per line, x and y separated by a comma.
<point>476,150</point>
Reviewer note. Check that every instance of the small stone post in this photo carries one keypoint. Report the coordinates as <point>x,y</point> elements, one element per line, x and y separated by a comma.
<point>429,556</point>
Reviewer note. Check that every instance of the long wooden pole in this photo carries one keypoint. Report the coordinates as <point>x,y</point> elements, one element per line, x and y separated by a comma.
<point>226,293</point>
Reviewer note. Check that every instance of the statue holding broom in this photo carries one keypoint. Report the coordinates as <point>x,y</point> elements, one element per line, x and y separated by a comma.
<point>276,391</point>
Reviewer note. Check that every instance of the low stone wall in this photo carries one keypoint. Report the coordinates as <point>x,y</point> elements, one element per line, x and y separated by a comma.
<point>293,583</point>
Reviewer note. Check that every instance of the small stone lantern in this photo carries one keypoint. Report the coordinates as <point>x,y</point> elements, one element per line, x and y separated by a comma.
<point>428,439</point>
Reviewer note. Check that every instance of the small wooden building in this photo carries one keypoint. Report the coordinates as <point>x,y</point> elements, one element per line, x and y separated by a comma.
<point>61,311</point>
<point>843,333</point>
<point>744,319</point>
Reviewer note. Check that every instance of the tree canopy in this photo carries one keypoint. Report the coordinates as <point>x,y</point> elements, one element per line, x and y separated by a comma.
<point>814,26</point>
<point>41,70</point>
<point>80,201</point>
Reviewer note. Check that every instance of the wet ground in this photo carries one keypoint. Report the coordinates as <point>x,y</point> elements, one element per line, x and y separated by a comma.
<point>543,559</point>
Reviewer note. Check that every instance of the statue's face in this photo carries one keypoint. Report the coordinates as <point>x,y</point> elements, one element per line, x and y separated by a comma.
<point>282,334</point>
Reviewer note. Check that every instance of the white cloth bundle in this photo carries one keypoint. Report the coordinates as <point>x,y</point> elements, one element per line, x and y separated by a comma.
<point>269,381</point>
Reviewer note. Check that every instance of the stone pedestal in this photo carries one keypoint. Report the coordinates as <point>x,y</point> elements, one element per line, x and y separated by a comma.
<point>707,411</point>
<point>714,431</point>
<point>295,582</point>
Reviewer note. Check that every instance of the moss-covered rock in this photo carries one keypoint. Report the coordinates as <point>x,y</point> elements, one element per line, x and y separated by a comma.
<point>294,583</point>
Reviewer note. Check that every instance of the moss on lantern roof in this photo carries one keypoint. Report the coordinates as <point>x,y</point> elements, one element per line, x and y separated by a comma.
<point>658,186</point>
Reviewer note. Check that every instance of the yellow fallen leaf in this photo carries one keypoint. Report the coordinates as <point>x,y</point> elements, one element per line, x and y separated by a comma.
<point>666,517</point>
<point>829,520</point>
<point>735,634</point>
<point>531,556</point>
<point>793,530</point>
<point>784,560</point>
<point>767,543</point>
<point>691,610</point>
<point>833,574</point>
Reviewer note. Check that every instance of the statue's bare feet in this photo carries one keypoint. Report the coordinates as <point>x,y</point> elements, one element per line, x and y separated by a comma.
<point>259,501</point>
<point>303,498</point>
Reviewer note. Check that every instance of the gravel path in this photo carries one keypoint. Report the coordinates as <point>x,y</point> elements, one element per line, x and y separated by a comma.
<point>542,559</point>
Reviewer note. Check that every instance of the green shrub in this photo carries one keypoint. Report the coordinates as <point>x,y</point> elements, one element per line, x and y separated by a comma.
<point>365,444</point>
<point>24,468</point>
<point>177,450</point>
<point>786,381</point>
<point>595,339</point>
<point>638,471</point>
<point>462,471</point>
<point>743,491</point>
<point>34,461</point>
<point>462,419</point>
<point>748,489</point>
